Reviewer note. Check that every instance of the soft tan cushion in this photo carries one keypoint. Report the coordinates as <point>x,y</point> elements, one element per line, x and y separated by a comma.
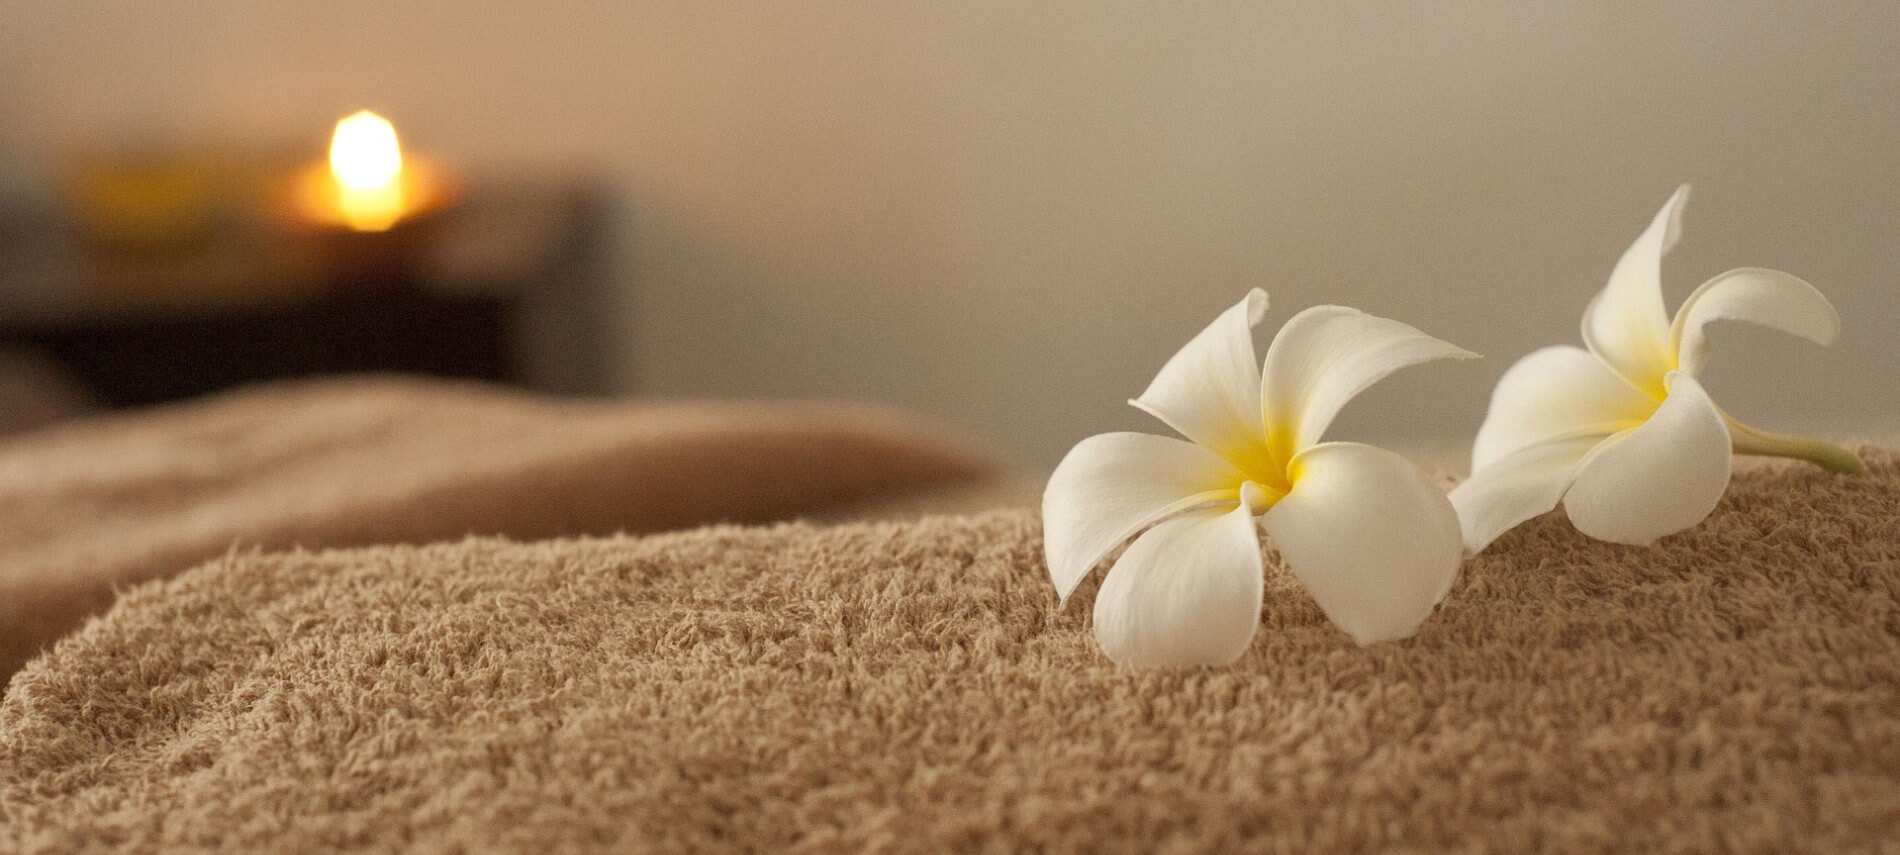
<point>36,391</point>
<point>911,686</point>
<point>114,501</point>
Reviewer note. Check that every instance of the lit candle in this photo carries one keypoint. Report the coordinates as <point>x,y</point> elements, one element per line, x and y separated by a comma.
<point>366,164</point>
<point>368,187</point>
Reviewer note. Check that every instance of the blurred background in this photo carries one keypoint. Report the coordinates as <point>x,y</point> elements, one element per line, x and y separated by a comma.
<point>1002,215</point>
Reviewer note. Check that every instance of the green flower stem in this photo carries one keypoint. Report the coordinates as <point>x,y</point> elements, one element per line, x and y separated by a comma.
<point>1826,455</point>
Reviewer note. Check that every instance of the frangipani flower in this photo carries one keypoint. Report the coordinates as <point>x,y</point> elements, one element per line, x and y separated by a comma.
<point>1623,434</point>
<point>1369,535</point>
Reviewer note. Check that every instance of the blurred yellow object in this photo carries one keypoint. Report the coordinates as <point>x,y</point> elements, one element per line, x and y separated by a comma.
<point>150,202</point>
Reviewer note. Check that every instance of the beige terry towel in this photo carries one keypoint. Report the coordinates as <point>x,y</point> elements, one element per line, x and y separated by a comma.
<point>912,686</point>
<point>94,505</point>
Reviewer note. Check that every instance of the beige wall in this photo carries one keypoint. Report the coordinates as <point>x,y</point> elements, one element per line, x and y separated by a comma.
<point>1007,214</point>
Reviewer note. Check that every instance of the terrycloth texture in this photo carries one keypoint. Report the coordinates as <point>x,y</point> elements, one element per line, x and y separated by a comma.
<point>911,686</point>
<point>106,503</point>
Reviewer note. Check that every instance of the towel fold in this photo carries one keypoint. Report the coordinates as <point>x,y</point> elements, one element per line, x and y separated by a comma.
<point>105,503</point>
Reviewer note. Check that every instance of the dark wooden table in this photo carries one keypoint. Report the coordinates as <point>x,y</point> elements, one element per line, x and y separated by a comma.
<point>508,285</point>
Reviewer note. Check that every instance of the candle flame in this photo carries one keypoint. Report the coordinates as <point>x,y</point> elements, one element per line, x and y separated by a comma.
<point>366,163</point>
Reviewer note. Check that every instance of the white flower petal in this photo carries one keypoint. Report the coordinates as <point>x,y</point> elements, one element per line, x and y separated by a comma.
<point>1112,485</point>
<point>1324,357</point>
<point>1625,325</point>
<point>1657,479</point>
<point>1370,536</point>
<point>1187,592</point>
<point>1526,483</point>
<point>1556,392</point>
<point>1210,389</point>
<point>1770,298</point>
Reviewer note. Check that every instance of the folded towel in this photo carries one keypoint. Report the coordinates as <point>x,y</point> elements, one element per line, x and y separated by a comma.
<point>912,685</point>
<point>104,503</point>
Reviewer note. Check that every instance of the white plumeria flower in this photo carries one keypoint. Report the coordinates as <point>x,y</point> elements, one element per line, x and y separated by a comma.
<point>1623,434</point>
<point>1368,534</point>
